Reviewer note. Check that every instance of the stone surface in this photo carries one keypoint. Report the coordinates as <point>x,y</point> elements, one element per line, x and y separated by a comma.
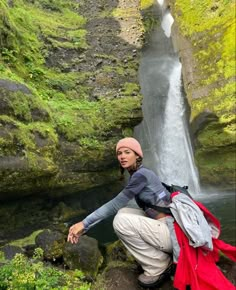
<point>52,243</point>
<point>84,255</point>
<point>10,251</point>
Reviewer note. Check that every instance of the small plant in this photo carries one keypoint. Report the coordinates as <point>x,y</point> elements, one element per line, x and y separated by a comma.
<point>38,254</point>
<point>9,55</point>
<point>22,273</point>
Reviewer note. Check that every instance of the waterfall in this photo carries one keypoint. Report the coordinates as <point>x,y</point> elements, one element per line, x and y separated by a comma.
<point>164,133</point>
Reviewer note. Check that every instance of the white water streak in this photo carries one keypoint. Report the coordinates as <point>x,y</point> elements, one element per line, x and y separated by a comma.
<point>176,156</point>
<point>167,22</point>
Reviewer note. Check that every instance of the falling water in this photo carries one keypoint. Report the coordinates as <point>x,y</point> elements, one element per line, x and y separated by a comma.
<point>163,133</point>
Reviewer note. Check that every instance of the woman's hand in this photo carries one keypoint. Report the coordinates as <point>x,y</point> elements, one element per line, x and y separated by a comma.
<point>75,232</point>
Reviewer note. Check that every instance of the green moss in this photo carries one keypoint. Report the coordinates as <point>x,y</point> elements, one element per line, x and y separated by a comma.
<point>124,12</point>
<point>131,89</point>
<point>211,27</point>
<point>145,4</point>
<point>216,135</point>
<point>40,159</point>
<point>30,240</point>
<point>203,15</point>
<point>217,167</point>
<point>149,18</point>
<point>149,23</point>
<point>220,101</point>
<point>20,104</point>
<point>29,32</point>
<point>126,132</point>
<point>93,117</point>
<point>27,24</point>
<point>2,257</point>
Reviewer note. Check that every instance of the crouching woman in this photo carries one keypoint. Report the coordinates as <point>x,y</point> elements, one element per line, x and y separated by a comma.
<point>143,231</point>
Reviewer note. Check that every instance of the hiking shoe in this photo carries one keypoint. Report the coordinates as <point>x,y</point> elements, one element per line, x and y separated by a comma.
<point>155,281</point>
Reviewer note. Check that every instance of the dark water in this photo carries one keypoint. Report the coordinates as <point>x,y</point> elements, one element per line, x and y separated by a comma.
<point>223,206</point>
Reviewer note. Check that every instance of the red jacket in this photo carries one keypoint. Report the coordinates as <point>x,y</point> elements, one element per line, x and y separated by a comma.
<point>197,267</point>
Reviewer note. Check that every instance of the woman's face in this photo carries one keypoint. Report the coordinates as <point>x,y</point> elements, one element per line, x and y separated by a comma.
<point>127,158</point>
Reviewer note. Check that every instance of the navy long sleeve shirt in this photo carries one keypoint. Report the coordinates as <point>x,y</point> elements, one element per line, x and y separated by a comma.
<point>144,185</point>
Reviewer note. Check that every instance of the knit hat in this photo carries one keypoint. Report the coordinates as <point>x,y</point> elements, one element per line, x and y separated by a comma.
<point>130,143</point>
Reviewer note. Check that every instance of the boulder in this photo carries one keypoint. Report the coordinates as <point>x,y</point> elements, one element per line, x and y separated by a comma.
<point>52,243</point>
<point>85,255</point>
<point>116,251</point>
<point>9,252</point>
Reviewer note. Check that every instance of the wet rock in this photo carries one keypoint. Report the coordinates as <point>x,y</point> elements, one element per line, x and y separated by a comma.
<point>14,86</point>
<point>117,278</point>
<point>39,114</point>
<point>228,268</point>
<point>117,252</point>
<point>84,255</point>
<point>52,243</point>
<point>10,251</point>
<point>62,213</point>
<point>121,271</point>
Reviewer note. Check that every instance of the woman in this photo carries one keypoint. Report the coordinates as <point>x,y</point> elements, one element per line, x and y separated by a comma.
<point>152,237</point>
<point>143,232</point>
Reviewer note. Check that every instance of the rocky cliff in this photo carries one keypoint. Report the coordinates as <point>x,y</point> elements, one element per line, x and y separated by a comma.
<point>68,92</point>
<point>205,38</point>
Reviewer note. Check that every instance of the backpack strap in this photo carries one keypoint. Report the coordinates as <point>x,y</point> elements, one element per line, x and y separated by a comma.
<point>144,205</point>
<point>171,188</point>
<point>161,209</point>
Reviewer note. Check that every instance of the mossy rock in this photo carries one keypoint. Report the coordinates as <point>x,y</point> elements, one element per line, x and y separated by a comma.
<point>18,101</point>
<point>85,255</point>
<point>8,252</point>
<point>26,241</point>
<point>52,243</point>
<point>118,276</point>
<point>116,251</point>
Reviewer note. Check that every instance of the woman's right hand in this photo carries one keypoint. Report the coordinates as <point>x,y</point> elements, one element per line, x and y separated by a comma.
<point>75,232</point>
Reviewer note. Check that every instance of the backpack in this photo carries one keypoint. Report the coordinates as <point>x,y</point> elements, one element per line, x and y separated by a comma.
<point>171,188</point>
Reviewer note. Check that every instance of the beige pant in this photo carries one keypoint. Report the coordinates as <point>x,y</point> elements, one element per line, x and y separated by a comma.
<point>148,240</point>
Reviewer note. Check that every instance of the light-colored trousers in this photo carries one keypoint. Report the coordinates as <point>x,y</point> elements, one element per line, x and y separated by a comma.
<point>147,239</point>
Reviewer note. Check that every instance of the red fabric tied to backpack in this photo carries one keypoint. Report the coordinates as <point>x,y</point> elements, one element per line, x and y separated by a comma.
<point>197,267</point>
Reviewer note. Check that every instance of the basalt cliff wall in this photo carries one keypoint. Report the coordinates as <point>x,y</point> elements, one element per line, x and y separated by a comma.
<point>204,35</point>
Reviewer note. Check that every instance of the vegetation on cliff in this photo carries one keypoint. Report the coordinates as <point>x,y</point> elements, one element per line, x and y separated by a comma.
<point>210,27</point>
<point>64,81</point>
<point>29,29</point>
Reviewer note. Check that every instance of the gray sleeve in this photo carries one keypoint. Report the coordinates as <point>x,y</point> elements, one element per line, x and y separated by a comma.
<point>106,210</point>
